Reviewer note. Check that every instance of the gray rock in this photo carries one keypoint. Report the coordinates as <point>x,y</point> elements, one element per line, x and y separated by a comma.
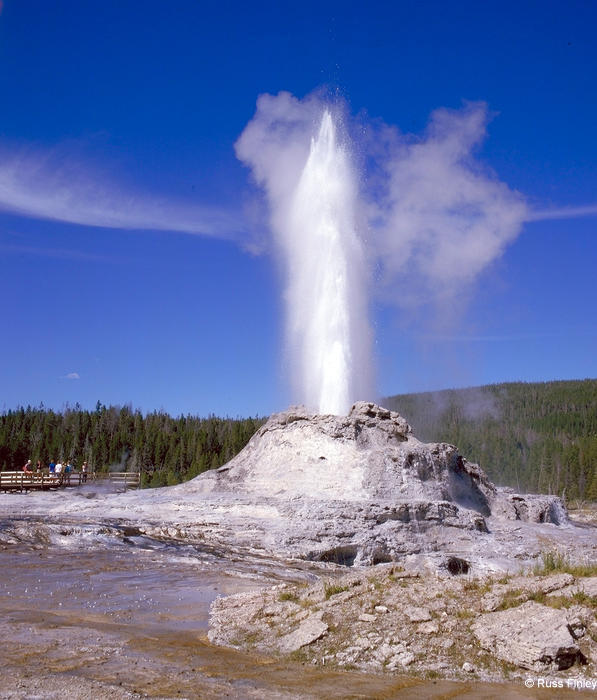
<point>403,658</point>
<point>549,584</point>
<point>577,627</point>
<point>588,586</point>
<point>360,457</point>
<point>383,652</point>
<point>366,617</point>
<point>417,614</point>
<point>467,667</point>
<point>362,643</point>
<point>361,489</point>
<point>428,628</point>
<point>309,631</point>
<point>491,602</point>
<point>531,635</point>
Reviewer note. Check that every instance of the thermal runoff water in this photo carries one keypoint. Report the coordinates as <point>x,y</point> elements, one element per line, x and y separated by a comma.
<point>328,332</point>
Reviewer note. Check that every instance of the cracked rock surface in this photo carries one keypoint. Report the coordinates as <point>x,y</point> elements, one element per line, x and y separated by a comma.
<point>388,618</point>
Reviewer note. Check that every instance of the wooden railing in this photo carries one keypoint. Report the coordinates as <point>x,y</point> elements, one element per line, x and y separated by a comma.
<point>124,479</point>
<point>26,481</point>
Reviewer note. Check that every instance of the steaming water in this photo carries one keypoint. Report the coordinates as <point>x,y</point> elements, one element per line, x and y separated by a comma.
<point>326,297</point>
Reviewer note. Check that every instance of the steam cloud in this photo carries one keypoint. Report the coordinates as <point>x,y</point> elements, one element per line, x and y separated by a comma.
<point>439,216</point>
<point>431,215</point>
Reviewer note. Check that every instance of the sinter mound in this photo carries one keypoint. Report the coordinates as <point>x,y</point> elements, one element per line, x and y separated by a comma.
<point>361,489</point>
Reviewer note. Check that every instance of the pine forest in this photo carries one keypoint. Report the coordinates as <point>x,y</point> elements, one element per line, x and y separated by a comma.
<point>534,437</point>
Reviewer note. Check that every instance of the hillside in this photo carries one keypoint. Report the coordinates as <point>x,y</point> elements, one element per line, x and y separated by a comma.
<point>535,437</point>
<point>164,449</point>
<point>538,437</point>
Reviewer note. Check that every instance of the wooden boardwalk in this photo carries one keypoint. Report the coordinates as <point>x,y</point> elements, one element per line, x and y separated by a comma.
<point>124,479</point>
<point>23,481</point>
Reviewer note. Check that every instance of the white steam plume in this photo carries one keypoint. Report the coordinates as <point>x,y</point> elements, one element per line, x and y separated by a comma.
<point>440,217</point>
<point>434,216</point>
<point>296,155</point>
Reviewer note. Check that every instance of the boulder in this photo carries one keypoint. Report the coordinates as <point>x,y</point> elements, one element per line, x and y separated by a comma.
<point>309,631</point>
<point>417,614</point>
<point>531,636</point>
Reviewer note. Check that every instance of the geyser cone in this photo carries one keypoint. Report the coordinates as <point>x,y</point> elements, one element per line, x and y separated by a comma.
<point>327,302</point>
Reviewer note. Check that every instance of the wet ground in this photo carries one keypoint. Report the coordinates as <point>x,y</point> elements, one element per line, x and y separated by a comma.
<point>92,613</point>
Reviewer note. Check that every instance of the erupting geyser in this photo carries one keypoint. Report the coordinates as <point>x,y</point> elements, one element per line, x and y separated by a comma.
<point>313,198</point>
<point>434,216</point>
<point>326,292</point>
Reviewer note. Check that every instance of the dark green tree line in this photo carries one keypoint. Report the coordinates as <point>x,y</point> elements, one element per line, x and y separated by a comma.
<point>166,450</point>
<point>539,437</point>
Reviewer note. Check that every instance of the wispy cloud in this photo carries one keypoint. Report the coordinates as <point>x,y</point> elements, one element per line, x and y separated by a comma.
<point>562,213</point>
<point>71,375</point>
<point>54,186</point>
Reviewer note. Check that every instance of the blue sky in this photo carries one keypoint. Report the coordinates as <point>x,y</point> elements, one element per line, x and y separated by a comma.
<point>129,269</point>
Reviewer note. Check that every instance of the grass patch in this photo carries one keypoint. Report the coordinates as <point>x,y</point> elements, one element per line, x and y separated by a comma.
<point>475,585</point>
<point>247,640</point>
<point>590,601</point>
<point>562,601</point>
<point>553,562</point>
<point>557,602</point>
<point>492,663</point>
<point>300,655</point>
<point>431,674</point>
<point>333,589</point>
<point>512,599</point>
<point>285,596</point>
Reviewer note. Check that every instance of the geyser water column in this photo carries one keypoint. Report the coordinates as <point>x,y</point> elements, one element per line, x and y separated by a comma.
<point>302,158</point>
<point>326,295</point>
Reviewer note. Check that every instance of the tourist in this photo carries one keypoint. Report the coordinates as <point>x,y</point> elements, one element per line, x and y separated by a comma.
<point>38,467</point>
<point>27,467</point>
<point>84,472</point>
<point>52,466</point>
<point>58,471</point>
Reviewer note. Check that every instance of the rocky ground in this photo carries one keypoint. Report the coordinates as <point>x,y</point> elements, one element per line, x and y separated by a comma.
<point>387,619</point>
<point>447,594</point>
<point>583,512</point>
